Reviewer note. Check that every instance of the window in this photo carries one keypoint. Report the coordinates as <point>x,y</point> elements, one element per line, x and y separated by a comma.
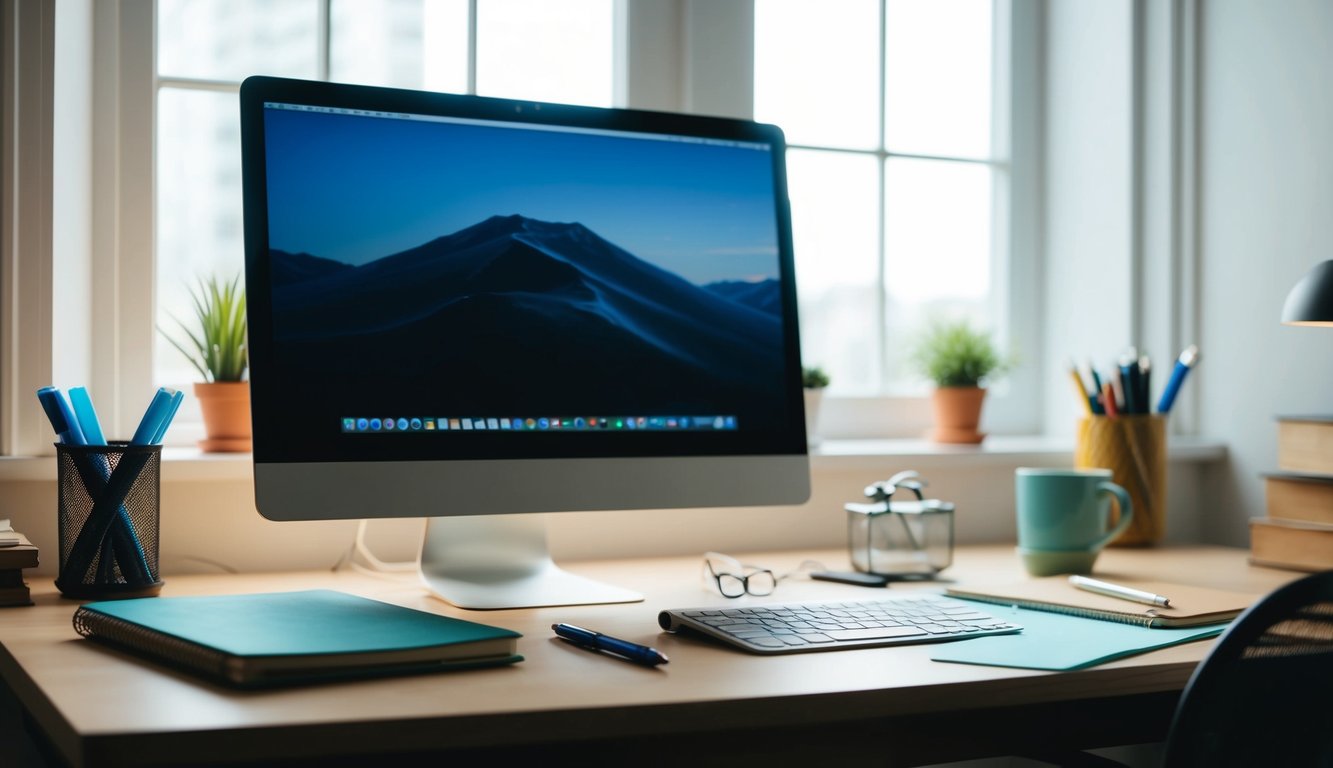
<point>893,171</point>
<point>881,169</point>
<point>526,49</point>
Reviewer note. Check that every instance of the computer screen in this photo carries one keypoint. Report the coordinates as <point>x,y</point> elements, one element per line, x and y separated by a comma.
<point>471,306</point>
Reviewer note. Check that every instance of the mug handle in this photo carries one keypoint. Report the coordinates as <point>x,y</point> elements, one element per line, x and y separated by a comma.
<point>1126,511</point>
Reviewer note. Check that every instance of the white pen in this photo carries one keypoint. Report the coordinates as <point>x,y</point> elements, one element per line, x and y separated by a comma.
<point>1115,590</point>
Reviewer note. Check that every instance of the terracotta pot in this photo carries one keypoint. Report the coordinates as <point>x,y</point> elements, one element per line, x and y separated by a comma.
<point>226,409</point>
<point>957,414</point>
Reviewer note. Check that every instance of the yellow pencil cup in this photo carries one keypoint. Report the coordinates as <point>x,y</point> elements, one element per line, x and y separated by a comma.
<point>1134,449</point>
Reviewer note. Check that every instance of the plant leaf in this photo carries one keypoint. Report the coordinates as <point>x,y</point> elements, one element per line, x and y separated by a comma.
<point>219,341</point>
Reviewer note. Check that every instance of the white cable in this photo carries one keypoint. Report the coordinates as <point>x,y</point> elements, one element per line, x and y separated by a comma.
<point>376,565</point>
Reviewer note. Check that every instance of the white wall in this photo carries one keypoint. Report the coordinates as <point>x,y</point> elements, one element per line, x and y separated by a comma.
<point>1265,217</point>
<point>1087,248</point>
<point>210,524</point>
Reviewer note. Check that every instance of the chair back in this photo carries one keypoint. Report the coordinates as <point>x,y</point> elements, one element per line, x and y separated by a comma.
<point>1264,695</point>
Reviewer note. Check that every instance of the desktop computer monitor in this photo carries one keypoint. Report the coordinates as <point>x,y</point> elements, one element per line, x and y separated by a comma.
<point>469,309</point>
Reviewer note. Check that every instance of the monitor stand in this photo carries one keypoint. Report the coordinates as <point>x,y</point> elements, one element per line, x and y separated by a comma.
<point>488,562</point>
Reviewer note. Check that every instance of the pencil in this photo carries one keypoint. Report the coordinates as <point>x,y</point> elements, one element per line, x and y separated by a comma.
<point>1083,396</point>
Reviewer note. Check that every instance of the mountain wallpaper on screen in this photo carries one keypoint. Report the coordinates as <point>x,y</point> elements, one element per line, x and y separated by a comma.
<point>516,310</point>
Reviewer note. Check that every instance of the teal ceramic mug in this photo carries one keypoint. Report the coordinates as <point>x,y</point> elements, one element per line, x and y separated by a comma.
<point>1064,517</point>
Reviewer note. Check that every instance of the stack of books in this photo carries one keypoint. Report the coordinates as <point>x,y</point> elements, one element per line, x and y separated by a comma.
<point>1298,531</point>
<point>16,553</point>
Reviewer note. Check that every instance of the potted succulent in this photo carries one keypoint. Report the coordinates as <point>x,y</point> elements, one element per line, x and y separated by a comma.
<point>958,359</point>
<point>217,348</point>
<point>813,379</point>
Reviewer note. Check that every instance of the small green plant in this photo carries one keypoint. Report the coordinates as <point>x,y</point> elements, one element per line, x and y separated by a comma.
<point>814,377</point>
<point>953,354</point>
<point>217,345</point>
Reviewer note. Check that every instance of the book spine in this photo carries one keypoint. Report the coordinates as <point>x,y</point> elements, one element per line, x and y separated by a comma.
<point>1070,610</point>
<point>150,644</point>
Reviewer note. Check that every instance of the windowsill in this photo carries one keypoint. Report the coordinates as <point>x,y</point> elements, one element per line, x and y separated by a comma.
<point>995,451</point>
<point>185,464</point>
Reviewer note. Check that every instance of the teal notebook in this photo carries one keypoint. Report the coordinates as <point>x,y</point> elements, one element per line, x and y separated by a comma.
<point>1058,642</point>
<point>288,637</point>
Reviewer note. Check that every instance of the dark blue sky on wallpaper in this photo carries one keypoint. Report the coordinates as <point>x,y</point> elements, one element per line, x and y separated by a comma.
<point>356,189</point>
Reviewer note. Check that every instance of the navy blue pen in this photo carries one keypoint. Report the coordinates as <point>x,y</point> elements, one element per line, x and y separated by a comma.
<point>1145,384</point>
<point>1129,378</point>
<point>586,638</point>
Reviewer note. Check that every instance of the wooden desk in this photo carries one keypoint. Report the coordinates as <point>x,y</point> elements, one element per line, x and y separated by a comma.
<point>93,706</point>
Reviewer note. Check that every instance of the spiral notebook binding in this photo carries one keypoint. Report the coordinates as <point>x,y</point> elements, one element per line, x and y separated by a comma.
<point>154,645</point>
<point>1141,620</point>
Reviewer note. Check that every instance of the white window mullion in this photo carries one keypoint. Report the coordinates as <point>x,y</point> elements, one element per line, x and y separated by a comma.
<point>881,232</point>
<point>472,46</point>
<point>124,292</point>
<point>1018,259</point>
<point>718,50</point>
<point>323,37</point>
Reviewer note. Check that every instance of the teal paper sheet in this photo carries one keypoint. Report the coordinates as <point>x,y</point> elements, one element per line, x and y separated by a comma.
<point>1055,641</point>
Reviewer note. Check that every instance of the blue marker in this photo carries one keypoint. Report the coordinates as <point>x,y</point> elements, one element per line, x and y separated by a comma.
<point>155,418</point>
<point>1187,360</point>
<point>62,417</point>
<point>87,416</point>
<point>176,400</point>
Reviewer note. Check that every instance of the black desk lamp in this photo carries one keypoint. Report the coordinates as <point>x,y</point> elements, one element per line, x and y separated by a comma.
<point>1311,301</point>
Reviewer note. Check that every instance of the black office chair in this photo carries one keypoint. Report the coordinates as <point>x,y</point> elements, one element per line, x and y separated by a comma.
<point>1264,695</point>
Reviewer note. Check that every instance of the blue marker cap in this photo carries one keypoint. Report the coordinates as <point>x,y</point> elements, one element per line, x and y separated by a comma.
<point>159,412</point>
<point>61,416</point>
<point>176,398</point>
<point>87,416</point>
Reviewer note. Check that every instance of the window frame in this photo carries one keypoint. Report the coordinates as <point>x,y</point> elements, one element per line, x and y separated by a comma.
<point>673,55</point>
<point>1014,403</point>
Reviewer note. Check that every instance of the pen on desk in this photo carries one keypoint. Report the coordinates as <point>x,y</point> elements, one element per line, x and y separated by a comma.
<point>586,638</point>
<point>1184,364</point>
<point>1116,590</point>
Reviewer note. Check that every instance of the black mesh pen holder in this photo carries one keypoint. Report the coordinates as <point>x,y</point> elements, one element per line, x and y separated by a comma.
<point>109,519</point>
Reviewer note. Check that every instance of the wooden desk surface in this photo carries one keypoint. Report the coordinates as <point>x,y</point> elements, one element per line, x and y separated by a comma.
<point>100,707</point>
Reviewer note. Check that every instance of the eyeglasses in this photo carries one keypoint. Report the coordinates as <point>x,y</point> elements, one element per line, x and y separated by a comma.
<point>734,578</point>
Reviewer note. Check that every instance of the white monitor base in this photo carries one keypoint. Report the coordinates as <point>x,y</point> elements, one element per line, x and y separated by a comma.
<point>489,562</point>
